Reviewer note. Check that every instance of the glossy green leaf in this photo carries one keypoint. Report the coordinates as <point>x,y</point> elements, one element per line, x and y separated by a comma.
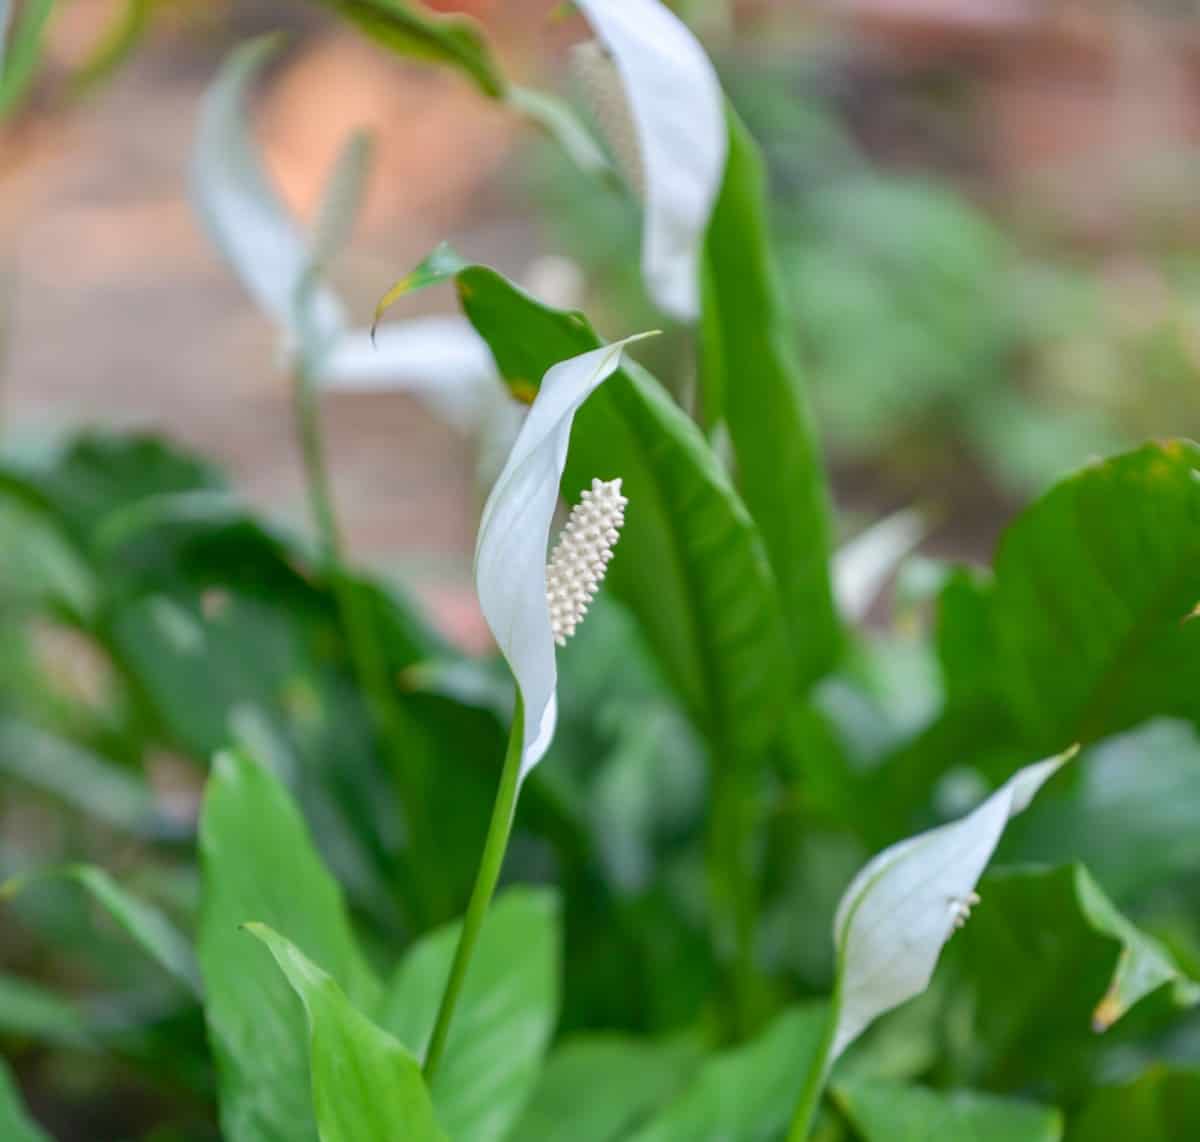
<point>1130,816</point>
<point>1094,587</point>
<point>752,379</point>
<point>1051,963</point>
<point>146,924</point>
<point>15,1123</point>
<point>505,1015</point>
<point>1162,1105</point>
<point>691,565</point>
<point>413,30</point>
<point>624,1079</point>
<point>366,1086</point>
<point>893,1112</point>
<point>258,864</point>
<point>745,1094</point>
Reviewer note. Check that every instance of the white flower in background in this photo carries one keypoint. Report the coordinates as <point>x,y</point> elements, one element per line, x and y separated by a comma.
<point>514,534</point>
<point>678,112</point>
<point>900,910</point>
<point>862,565</point>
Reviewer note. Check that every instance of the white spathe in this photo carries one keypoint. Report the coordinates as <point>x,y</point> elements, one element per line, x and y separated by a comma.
<point>514,534</point>
<point>900,910</point>
<point>678,111</point>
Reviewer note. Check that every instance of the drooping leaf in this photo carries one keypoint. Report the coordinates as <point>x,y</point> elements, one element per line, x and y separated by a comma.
<point>1094,587</point>
<point>504,1019</point>
<point>20,61</point>
<point>625,1079</point>
<point>1161,1105</point>
<point>412,30</point>
<point>146,924</point>
<point>258,864</point>
<point>752,380</point>
<point>15,1123</point>
<point>366,1086</point>
<point>883,1111</point>
<point>902,907</point>
<point>1051,964</point>
<point>710,609</point>
<point>747,1093</point>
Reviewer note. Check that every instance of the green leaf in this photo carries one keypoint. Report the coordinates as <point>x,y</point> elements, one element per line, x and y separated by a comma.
<point>143,922</point>
<point>115,45</point>
<point>691,565</point>
<point>745,1094</point>
<point>1130,816</point>
<point>1050,963</point>
<point>411,30</point>
<point>1162,1105</point>
<point>366,1086</point>
<point>625,1079</point>
<point>15,1123</point>
<point>751,377</point>
<point>1094,587</point>
<point>24,53</point>
<point>505,1014</point>
<point>893,1112</point>
<point>258,864</point>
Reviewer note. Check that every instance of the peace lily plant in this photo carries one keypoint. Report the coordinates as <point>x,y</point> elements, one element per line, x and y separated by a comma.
<point>731,738</point>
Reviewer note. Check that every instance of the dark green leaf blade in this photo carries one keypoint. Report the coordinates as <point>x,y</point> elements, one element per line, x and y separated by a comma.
<point>504,1018</point>
<point>752,378</point>
<point>625,1079</point>
<point>1094,587</point>
<point>258,864</point>
<point>893,1112</point>
<point>747,1093</point>
<point>366,1086</point>
<point>1162,1105</point>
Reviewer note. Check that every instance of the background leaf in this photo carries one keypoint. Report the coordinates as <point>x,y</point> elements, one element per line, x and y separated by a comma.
<point>1094,585</point>
<point>745,1094</point>
<point>504,1018</point>
<point>625,1079</point>
<point>15,1123</point>
<point>892,1112</point>
<point>366,1086</point>
<point>1162,1105</point>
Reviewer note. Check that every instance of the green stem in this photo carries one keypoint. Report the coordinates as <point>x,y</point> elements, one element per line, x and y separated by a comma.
<point>814,1082</point>
<point>735,893</point>
<point>490,863</point>
<point>367,657</point>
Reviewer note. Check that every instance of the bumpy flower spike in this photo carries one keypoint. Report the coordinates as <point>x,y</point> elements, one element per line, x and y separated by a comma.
<point>580,558</point>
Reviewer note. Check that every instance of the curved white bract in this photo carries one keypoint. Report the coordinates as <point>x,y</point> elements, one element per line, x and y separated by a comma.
<point>678,111</point>
<point>510,553</point>
<point>900,910</point>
